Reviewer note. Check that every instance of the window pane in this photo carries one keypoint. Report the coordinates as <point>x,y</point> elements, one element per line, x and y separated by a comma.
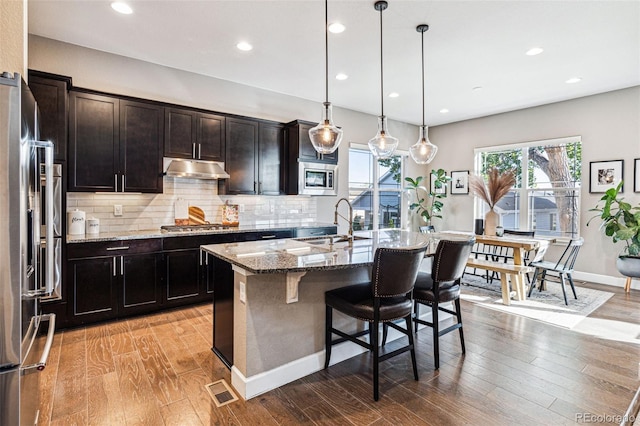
<point>508,208</point>
<point>361,170</point>
<point>389,210</point>
<point>555,166</point>
<point>554,212</point>
<point>504,161</point>
<point>362,211</point>
<point>389,173</point>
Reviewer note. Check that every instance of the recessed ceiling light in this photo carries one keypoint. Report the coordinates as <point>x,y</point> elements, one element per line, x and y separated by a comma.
<point>535,51</point>
<point>394,94</point>
<point>477,88</point>
<point>444,111</point>
<point>336,28</point>
<point>244,46</point>
<point>121,7</point>
<point>341,76</point>
<point>574,80</point>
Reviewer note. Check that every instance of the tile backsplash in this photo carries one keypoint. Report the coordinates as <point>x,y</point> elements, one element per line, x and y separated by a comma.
<point>150,211</point>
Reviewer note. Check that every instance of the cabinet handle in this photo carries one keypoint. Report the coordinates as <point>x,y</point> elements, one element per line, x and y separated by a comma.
<point>115,182</point>
<point>121,266</point>
<point>123,181</point>
<point>114,266</point>
<point>117,248</point>
<point>266,237</point>
<point>199,151</point>
<point>193,150</point>
<point>254,186</point>
<point>260,187</point>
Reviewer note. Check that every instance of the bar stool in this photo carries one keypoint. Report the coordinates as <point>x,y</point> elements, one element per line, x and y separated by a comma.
<point>385,299</point>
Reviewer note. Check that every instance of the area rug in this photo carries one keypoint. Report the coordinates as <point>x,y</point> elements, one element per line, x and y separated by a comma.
<point>547,306</point>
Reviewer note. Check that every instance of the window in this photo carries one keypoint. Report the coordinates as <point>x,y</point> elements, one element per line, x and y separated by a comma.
<point>546,196</point>
<point>376,190</point>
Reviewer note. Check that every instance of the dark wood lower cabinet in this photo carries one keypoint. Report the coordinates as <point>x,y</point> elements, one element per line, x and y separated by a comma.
<point>183,277</point>
<point>94,289</point>
<point>221,279</point>
<point>141,282</point>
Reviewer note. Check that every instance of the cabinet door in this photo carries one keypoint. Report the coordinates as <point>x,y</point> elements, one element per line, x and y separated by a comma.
<point>93,142</point>
<point>306,151</point>
<point>182,276</point>
<point>140,280</point>
<point>50,92</point>
<point>141,128</point>
<point>222,310</point>
<point>210,137</point>
<point>241,164</point>
<point>270,159</point>
<point>93,284</point>
<point>180,133</point>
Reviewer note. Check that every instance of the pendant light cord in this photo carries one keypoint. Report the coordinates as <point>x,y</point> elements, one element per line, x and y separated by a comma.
<point>381,68</point>
<point>423,113</point>
<point>326,49</point>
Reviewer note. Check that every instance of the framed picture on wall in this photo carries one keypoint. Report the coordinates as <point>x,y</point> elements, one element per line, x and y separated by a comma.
<point>460,182</point>
<point>604,175</point>
<point>636,175</point>
<point>434,190</point>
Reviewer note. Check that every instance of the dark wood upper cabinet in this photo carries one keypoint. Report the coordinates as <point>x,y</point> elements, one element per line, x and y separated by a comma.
<point>93,142</point>
<point>114,144</point>
<point>242,155</point>
<point>300,146</point>
<point>271,159</point>
<point>51,93</point>
<point>141,131</point>
<point>194,134</point>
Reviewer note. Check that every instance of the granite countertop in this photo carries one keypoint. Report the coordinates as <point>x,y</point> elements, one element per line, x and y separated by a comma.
<point>158,233</point>
<point>316,253</point>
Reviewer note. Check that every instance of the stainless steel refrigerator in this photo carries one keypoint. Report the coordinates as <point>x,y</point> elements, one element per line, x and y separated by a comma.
<point>27,262</point>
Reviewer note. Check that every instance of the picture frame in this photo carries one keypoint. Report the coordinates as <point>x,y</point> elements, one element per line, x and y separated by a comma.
<point>604,175</point>
<point>460,182</point>
<point>636,175</point>
<point>442,190</point>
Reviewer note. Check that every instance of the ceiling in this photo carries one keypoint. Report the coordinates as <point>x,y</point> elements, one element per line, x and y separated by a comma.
<point>469,44</point>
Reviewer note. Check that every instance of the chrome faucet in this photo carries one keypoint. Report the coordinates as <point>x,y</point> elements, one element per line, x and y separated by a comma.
<point>349,219</point>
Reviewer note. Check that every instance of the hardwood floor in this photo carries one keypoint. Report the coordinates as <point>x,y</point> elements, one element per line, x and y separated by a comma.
<point>152,371</point>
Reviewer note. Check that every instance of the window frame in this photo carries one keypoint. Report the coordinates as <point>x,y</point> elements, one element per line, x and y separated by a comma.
<point>524,191</point>
<point>404,216</point>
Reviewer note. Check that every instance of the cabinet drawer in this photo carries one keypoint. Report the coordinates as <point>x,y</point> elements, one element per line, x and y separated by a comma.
<point>195,241</point>
<point>113,248</point>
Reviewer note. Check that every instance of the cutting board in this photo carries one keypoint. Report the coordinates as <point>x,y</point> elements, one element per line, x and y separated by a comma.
<point>196,216</point>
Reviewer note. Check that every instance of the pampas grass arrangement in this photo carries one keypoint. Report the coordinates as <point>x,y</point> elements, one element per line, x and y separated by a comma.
<point>498,185</point>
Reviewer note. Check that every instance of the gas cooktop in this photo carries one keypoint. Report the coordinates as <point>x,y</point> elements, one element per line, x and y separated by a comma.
<point>190,228</point>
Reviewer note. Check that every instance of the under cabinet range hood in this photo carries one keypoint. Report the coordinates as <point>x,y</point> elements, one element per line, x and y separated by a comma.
<point>194,169</point>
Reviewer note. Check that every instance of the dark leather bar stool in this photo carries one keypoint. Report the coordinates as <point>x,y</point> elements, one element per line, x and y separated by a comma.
<point>386,298</point>
<point>440,286</point>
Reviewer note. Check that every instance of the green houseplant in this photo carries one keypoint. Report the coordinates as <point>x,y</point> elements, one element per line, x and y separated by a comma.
<point>621,222</point>
<point>428,204</point>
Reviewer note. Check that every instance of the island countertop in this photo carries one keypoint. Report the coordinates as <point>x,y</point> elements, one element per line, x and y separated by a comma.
<point>316,253</point>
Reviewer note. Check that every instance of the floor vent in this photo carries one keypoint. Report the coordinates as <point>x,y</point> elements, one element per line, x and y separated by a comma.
<point>221,393</point>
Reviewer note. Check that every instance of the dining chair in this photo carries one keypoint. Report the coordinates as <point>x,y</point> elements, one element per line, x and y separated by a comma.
<point>559,269</point>
<point>386,298</point>
<point>505,254</point>
<point>442,285</point>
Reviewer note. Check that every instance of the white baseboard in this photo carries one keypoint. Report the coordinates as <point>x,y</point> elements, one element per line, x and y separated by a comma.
<point>250,387</point>
<point>603,279</point>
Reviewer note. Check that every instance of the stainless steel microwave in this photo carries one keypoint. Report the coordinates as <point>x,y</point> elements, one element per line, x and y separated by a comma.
<point>317,179</point>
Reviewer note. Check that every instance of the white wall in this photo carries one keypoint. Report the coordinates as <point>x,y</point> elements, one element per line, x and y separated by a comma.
<point>609,124</point>
<point>106,72</point>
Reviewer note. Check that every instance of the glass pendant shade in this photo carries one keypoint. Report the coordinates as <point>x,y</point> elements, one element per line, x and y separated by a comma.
<point>382,145</point>
<point>423,151</point>
<point>325,137</point>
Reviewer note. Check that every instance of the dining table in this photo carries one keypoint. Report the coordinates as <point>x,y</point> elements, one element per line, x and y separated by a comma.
<point>519,244</point>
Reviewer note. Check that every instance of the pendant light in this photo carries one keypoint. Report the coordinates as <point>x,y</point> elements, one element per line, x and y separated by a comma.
<point>383,144</point>
<point>326,137</point>
<point>423,151</point>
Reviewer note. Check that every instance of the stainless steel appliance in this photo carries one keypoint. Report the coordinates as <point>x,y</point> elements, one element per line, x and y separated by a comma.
<point>317,179</point>
<point>192,228</point>
<point>24,347</point>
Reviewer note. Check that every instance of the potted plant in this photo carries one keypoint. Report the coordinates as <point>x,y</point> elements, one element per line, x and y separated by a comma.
<point>498,185</point>
<point>621,222</point>
<point>431,206</point>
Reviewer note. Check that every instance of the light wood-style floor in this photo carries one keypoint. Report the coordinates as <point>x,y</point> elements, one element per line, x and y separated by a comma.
<point>152,371</point>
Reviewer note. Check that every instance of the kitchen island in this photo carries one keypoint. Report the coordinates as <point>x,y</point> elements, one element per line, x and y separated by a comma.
<point>277,302</point>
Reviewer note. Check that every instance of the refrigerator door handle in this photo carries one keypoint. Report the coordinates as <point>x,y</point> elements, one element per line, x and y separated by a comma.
<point>46,288</point>
<point>42,363</point>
